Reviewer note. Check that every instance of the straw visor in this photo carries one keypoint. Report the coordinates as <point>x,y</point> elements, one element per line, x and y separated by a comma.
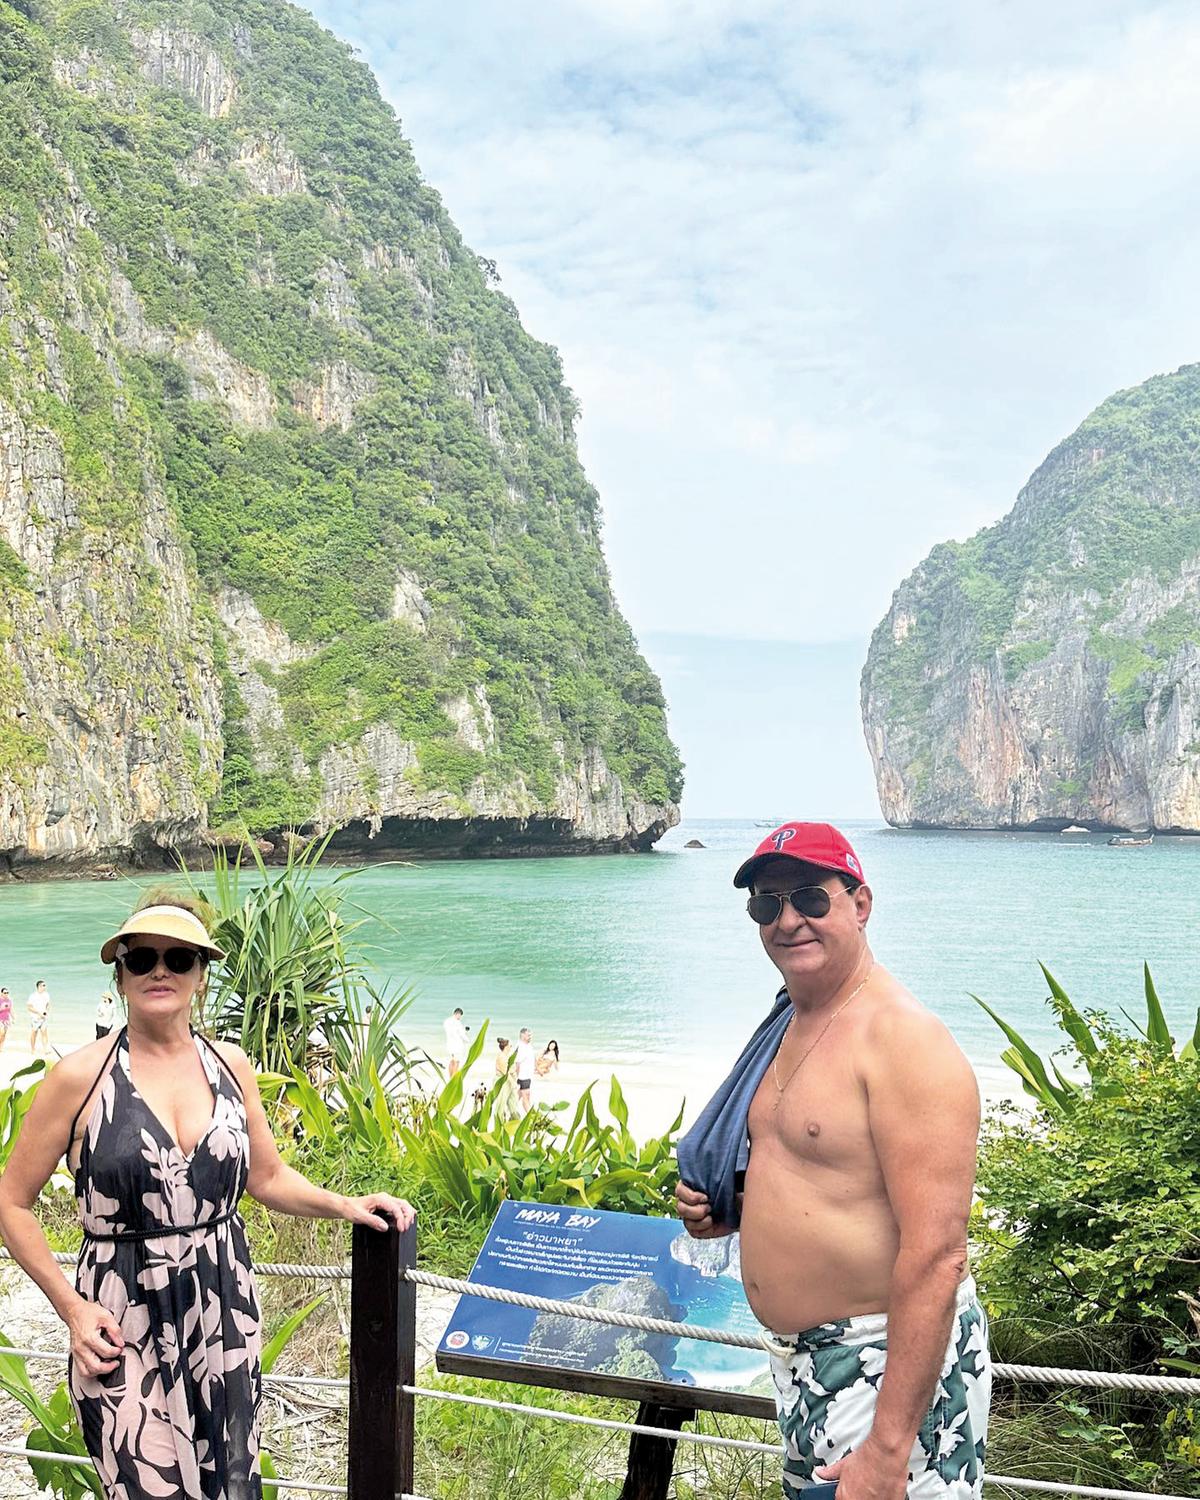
<point>164,922</point>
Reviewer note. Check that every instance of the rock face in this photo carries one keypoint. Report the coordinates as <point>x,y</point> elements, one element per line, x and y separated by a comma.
<point>720,1257</point>
<point>603,1347</point>
<point>1047,672</point>
<point>293,530</point>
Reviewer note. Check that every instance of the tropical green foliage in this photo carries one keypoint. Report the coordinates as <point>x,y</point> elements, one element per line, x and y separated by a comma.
<point>15,1099</point>
<point>56,1428</point>
<point>1088,1246</point>
<point>460,467</point>
<point>1092,1213</point>
<point>473,1161</point>
<point>294,991</point>
<point>1088,1037</point>
<point>1116,500</point>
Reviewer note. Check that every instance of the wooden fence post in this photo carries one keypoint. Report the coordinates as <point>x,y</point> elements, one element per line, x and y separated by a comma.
<point>652,1459</point>
<point>383,1357</point>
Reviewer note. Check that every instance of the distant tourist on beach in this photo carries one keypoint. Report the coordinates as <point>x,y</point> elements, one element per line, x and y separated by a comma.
<point>458,1043</point>
<point>507,1104</point>
<point>843,1146</point>
<point>39,1020</point>
<point>525,1067</point>
<point>548,1060</point>
<point>5,1014</point>
<point>106,1012</point>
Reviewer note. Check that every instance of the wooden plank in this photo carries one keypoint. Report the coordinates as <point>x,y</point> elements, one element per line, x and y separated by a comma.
<point>383,1354</point>
<point>652,1459</point>
<point>623,1388</point>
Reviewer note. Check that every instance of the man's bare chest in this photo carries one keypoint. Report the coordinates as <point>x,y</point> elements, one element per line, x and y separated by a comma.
<point>820,1123</point>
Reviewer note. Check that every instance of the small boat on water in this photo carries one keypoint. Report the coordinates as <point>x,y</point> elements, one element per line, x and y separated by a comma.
<point>1130,840</point>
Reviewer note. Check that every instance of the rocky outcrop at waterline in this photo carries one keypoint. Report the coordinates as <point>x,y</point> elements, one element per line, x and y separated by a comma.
<point>1047,671</point>
<point>293,528</point>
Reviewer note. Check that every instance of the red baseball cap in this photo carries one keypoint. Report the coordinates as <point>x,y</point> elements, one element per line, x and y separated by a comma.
<point>818,844</point>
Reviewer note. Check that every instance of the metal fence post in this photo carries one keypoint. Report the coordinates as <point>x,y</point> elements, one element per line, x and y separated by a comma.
<point>383,1357</point>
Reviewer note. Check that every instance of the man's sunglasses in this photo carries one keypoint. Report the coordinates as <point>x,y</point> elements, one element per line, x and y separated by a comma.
<point>143,960</point>
<point>809,900</point>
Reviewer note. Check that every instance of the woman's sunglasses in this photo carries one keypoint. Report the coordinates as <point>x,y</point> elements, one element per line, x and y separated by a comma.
<point>142,960</point>
<point>809,900</point>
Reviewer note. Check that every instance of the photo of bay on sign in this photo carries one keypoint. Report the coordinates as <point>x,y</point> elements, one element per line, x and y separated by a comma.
<point>623,1263</point>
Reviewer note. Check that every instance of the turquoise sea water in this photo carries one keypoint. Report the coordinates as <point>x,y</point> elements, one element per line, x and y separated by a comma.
<point>649,965</point>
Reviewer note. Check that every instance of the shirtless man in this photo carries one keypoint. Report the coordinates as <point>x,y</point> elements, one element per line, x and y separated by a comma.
<point>857,1192</point>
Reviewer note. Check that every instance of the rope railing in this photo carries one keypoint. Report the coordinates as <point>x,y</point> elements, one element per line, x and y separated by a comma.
<point>698,1439</point>
<point>609,1424</point>
<point>313,1382</point>
<point>77,1461</point>
<point>339,1272</point>
<point>1176,1385</point>
<point>1087,1491</point>
<point>1167,1385</point>
<point>773,1450</point>
<point>1044,1374</point>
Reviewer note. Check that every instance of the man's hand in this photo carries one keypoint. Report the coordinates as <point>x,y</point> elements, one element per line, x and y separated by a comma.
<point>866,1474</point>
<point>696,1212</point>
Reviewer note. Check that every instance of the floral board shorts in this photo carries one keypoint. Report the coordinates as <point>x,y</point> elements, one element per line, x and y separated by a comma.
<point>827,1382</point>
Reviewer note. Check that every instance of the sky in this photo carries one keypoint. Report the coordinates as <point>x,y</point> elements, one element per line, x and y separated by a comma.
<point>829,280</point>
<point>767,729</point>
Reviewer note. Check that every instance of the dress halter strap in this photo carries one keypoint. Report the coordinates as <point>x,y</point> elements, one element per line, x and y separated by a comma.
<point>108,1057</point>
<point>221,1063</point>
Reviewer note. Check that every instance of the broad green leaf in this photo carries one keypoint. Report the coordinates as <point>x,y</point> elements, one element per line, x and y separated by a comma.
<point>1191,1048</point>
<point>1072,1022</point>
<point>1027,1064</point>
<point>1157,1029</point>
<point>616,1104</point>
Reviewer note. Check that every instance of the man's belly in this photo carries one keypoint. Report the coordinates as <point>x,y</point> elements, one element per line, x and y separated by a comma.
<point>807,1259</point>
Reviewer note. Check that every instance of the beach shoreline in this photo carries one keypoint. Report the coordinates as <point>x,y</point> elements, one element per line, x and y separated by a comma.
<point>653,1101</point>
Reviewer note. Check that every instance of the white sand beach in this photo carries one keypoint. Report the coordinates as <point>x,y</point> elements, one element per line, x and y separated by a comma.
<point>653,1097</point>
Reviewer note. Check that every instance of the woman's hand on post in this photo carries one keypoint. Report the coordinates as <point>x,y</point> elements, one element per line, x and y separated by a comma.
<point>96,1339</point>
<point>380,1211</point>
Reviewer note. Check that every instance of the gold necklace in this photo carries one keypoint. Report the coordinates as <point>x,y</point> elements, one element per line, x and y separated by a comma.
<point>781,1088</point>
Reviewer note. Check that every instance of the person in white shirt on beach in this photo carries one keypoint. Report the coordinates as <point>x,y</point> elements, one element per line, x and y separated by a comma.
<point>525,1066</point>
<point>39,1011</point>
<point>106,1012</point>
<point>457,1041</point>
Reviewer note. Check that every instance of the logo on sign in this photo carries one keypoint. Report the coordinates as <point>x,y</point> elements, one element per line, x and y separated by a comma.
<point>481,1342</point>
<point>782,837</point>
<point>457,1340</point>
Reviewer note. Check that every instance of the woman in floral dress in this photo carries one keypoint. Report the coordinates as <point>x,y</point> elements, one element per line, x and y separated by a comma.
<point>164,1131</point>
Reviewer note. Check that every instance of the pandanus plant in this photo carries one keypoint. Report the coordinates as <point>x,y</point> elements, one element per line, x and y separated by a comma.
<point>294,991</point>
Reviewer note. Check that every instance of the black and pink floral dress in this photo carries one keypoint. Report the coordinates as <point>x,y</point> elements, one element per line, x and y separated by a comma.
<point>165,1252</point>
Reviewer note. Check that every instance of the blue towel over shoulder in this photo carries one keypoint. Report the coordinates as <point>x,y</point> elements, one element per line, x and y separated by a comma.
<point>717,1147</point>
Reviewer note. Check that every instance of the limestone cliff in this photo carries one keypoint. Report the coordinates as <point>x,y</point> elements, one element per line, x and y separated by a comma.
<point>1047,671</point>
<point>293,530</point>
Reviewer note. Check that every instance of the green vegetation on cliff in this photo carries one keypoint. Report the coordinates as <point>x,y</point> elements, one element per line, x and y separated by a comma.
<point>380,408</point>
<point>1120,497</point>
<point>1044,671</point>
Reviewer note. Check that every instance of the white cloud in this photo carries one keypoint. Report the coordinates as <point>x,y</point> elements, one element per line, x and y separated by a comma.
<point>828,281</point>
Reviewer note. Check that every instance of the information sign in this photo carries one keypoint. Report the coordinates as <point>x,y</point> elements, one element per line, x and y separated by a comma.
<point>626,1263</point>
